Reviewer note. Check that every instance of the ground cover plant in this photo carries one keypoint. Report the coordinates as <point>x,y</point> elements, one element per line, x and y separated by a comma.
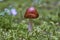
<point>13,25</point>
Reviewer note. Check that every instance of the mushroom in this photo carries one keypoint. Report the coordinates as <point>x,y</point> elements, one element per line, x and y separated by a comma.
<point>31,13</point>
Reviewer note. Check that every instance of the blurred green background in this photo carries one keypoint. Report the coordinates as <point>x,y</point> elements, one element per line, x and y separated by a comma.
<point>15,27</point>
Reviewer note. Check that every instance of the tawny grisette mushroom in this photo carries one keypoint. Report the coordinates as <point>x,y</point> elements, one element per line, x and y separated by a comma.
<point>31,13</point>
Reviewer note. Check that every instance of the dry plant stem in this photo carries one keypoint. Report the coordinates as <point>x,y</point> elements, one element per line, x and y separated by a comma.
<point>30,25</point>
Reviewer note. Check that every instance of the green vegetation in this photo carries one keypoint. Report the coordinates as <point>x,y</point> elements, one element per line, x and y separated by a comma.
<point>45,27</point>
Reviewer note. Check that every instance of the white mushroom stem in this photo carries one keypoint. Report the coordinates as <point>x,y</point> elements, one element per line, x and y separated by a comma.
<point>30,25</point>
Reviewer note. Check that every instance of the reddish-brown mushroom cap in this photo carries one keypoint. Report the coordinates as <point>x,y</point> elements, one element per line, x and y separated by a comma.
<point>31,13</point>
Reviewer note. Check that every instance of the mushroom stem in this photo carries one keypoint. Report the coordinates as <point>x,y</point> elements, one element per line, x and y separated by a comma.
<point>30,25</point>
